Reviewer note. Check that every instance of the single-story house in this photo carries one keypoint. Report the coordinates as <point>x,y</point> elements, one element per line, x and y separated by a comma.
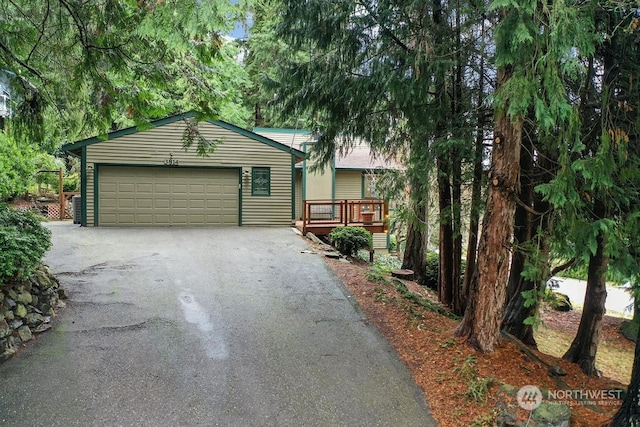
<point>145,178</point>
<point>351,175</point>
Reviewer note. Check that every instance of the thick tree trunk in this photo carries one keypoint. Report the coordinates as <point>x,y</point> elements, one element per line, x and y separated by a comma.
<point>456,177</point>
<point>516,312</point>
<point>476,192</point>
<point>629,413</point>
<point>456,270</point>
<point>445,278</point>
<point>415,252</point>
<point>522,234</point>
<point>485,306</point>
<point>584,347</point>
<point>524,229</point>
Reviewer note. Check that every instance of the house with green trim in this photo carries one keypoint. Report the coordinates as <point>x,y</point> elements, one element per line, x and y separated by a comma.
<point>136,177</point>
<point>351,175</point>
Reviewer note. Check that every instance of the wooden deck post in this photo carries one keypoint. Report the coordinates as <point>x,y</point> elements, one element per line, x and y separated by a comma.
<point>61,193</point>
<point>345,208</point>
<point>304,217</point>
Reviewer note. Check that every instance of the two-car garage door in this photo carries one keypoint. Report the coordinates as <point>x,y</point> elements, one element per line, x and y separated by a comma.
<point>144,196</point>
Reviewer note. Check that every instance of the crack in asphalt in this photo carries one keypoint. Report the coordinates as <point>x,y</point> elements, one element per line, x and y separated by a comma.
<point>125,328</point>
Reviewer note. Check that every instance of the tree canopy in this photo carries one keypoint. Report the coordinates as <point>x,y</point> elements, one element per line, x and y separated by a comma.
<point>80,68</point>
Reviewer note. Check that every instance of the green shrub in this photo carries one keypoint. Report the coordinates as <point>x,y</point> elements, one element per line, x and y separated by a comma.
<point>16,167</point>
<point>71,183</point>
<point>23,242</point>
<point>349,240</point>
<point>433,270</point>
<point>393,243</point>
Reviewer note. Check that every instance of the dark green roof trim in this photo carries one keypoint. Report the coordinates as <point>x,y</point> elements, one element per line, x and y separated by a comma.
<point>161,122</point>
<point>124,132</point>
<point>283,130</point>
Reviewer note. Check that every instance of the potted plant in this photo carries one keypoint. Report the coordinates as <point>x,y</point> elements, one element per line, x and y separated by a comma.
<point>367,217</point>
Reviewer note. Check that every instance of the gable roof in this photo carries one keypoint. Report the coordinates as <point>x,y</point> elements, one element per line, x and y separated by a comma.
<point>358,157</point>
<point>295,138</point>
<point>75,147</point>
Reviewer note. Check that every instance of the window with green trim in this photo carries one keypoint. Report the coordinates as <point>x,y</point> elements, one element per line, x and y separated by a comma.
<point>260,181</point>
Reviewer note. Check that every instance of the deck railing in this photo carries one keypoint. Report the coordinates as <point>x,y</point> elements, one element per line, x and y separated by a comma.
<point>327,214</point>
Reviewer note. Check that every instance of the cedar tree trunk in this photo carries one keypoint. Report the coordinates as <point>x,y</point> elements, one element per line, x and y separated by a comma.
<point>485,306</point>
<point>445,278</point>
<point>524,229</point>
<point>584,347</point>
<point>415,251</point>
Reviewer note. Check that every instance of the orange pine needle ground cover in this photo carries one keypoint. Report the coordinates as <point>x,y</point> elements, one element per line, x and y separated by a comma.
<point>445,367</point>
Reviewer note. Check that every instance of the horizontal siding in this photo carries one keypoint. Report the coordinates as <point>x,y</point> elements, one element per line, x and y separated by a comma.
<point>154,146</point>
<point>319,184</point>
<point>348,184</point>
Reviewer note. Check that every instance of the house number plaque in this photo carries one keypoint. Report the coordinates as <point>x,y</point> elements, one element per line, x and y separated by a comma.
<point>171,161</point>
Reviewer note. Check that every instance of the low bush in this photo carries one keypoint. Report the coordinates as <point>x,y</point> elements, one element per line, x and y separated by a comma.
<point>433,270</point>
<point>23,243</point>
<point>349,240</point>
<point>71,183</point>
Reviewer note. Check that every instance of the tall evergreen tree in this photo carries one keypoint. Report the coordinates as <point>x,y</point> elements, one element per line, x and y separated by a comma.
<point>597,184</point>
<point>523,28</point>
<point>391,72</point>
<point>75,68</point>
<point>369,73</point>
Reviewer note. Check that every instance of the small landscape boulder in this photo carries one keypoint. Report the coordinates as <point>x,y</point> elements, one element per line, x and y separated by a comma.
<point>550,414</point>
<point>24,298</point>
<point>24,333</point>
<point>561,302</point>
<point>5,329</point>
<point>20,310</point>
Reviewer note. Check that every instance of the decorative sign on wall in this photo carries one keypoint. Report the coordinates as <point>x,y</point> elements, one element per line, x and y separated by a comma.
<point>171,161</point>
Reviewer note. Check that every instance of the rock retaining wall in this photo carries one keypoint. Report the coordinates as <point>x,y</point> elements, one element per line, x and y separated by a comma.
<point>26,308</point>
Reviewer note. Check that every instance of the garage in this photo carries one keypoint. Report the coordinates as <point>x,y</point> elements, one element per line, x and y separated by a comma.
<point>146,177</point>
<point>165,196</point>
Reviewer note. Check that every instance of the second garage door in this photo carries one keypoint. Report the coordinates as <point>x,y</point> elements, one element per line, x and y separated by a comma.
<point>144,196</point>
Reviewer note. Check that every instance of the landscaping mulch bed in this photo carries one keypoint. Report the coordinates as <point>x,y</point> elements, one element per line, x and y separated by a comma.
<point>450,372</point>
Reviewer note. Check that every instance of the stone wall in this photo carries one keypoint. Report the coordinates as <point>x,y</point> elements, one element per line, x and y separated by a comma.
<point>26,308</point>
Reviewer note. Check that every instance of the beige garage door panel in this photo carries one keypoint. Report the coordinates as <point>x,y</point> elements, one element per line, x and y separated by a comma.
<point>167,196</point>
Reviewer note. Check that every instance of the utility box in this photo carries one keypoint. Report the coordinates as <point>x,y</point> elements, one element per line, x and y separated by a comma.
<point>76,202</point>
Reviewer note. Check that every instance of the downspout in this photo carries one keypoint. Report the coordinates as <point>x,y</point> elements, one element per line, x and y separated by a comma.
<point>83,187</point>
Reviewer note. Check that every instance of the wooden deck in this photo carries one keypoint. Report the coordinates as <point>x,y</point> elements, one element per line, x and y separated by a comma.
<point>322,216</point>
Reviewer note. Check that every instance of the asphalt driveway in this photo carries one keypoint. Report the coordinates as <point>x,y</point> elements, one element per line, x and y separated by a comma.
<point>203,327</point>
